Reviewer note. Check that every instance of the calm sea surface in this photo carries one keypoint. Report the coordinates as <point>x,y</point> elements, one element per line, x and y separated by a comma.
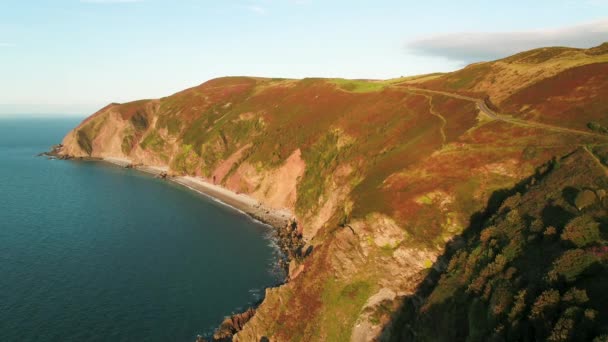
<point>94,252</point>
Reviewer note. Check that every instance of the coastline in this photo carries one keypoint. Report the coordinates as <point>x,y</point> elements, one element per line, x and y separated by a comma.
<point>240,202</point>
<point>289,242</point>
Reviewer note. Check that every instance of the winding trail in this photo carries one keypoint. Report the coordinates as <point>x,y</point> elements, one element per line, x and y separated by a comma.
<point>596,159</point>
<point>489,113</point>
<point>444,122</point>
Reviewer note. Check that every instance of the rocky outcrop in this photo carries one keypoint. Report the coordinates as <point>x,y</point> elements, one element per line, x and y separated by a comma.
<point>291,244</point>
<point>231,325</point>
<point>293,250</point>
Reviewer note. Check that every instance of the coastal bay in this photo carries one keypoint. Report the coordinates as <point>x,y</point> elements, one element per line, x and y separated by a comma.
<point>91,251</point>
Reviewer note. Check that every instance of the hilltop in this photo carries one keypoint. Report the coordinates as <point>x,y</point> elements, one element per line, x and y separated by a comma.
<point>379,174</point>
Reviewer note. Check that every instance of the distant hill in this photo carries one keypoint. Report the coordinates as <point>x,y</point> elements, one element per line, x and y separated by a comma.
<point>379,174</point>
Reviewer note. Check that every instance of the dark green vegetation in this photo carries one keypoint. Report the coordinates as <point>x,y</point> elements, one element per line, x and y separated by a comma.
<point>533,266</point>
<point>87,134</point>
<point>322,158</point>
<point>152,141</point>
<point>596,127</point>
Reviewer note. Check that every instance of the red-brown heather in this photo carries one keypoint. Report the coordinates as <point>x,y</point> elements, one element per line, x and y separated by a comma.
<point>380,175</point>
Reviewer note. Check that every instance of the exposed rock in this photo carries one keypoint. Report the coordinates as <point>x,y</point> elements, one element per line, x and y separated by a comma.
<point>291,244</point>
<point>54,152</point>
<point>368,326</point>
<point>232,325</point>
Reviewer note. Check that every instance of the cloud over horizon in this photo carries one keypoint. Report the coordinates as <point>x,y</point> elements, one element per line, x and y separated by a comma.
<point>469,47</point>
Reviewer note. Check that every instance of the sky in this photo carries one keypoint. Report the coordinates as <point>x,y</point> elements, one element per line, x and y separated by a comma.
<point>75,56</point>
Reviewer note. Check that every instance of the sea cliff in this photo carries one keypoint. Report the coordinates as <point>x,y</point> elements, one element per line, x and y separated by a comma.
<point>379,176</point>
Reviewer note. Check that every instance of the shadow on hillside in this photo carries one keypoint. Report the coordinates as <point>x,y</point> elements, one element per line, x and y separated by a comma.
<point>399,329</point>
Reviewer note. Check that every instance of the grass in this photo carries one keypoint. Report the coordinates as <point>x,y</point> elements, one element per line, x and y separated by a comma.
<point>127,144</point>
<point>343,302</point>
<point>185,161</point>
<point>321,159</point>
<point>359,86</point>
<point>153,141</point>
<point>467,77</point>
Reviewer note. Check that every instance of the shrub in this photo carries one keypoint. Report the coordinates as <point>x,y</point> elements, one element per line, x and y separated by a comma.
<point>575,296</point>
<point>139,121</point>
<point>565,326</point>
<point>581,231</point>
<point>536,226</point>
<point>519,305</point>
<point>584,199</point>
<point>545,305</point>
<point>153,141</point>
<point>571,265</point>
<point>596,127</point>
<point>550,231</point>
<point>127,144</point>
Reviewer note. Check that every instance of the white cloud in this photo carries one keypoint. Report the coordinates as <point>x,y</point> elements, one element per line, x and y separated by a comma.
<point>470,47</point>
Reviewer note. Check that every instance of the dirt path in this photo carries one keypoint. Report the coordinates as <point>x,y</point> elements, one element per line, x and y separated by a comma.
<point>485,109</point>
<point>597,160</point>
<point>444,122</point>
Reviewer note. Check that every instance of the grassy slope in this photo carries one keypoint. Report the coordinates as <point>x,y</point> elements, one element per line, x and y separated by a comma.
<point>560,86</point>
<point>534,269</point>
<point>424,160</point>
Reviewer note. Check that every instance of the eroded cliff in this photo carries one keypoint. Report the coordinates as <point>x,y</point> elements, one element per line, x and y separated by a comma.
<point>379,174</point>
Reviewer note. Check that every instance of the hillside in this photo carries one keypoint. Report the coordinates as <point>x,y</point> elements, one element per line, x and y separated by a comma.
<point>379,174</point>
<point>532,269</point>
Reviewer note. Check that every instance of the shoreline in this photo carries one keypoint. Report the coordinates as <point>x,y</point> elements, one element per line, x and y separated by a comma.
<point>277,218</point>
<point>288,242</point>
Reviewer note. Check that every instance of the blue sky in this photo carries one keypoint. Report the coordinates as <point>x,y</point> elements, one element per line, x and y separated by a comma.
<point>74,56</point>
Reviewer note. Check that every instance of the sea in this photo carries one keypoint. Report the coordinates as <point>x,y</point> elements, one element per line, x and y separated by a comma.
<point>90,251</point>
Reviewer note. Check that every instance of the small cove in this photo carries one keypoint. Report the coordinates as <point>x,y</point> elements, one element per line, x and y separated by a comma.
<point>91,251</point>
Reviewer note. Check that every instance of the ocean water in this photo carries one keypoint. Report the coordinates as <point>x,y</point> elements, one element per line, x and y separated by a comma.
<point>94,252</point>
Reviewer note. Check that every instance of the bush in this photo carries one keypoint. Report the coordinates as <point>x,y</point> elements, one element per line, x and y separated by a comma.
<point>584,199</point>
<point>596,127</point>
<point>139,121</point>
<point>565,327</point>
<point>582,231</point>
<point>571,265</point>
<point>545,305</point>
<point>575,296</point>
<point>519,305</point>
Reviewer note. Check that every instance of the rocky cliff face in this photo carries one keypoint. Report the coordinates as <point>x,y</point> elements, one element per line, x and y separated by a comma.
<point>380,174</point>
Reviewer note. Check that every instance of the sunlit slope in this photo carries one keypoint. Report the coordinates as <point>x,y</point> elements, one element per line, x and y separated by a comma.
<point>379,174</point>
<point>562,86</point>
